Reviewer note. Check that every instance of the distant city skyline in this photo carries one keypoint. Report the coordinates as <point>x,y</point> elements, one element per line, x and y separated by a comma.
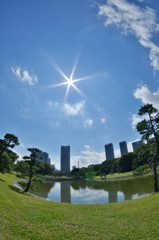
<point>76,72</point>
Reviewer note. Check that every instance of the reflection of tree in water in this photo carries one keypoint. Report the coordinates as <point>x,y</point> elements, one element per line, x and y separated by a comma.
<point>114,190</point>
<point>128,187</point>
<point>42,189</point>
<point>78,184</point>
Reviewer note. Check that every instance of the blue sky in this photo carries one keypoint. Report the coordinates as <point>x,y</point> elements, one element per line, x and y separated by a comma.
<point>112,46</point>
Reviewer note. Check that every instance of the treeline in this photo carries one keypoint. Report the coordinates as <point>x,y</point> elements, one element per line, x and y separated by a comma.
<point>30,166</point>
<point>145,156</point>
<point>9,159</point>
<point>139,162</point>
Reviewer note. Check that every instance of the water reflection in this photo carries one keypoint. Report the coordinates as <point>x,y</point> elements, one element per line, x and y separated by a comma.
<point>65,192</point>
<point>94,192</point>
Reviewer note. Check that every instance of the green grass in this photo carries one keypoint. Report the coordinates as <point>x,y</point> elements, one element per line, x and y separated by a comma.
<point>115,175</point>
<point>26,217</point>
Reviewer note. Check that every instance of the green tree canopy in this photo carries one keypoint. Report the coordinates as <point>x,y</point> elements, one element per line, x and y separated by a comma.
<point>126,162</point>
<point>149,129</point>
<point>7,156</point>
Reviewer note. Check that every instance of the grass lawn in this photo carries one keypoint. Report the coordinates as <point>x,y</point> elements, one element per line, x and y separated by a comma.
<point>116,175</point>
<point>26,217</point>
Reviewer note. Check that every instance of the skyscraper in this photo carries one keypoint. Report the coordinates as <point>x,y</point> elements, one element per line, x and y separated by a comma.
<point>43,157</point>
<point>123,148</point>
<point>109,151</point>
<point>136,144</point>
<point>65,158</point>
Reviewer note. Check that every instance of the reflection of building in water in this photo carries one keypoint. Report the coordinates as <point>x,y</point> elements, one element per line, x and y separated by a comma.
<point>65,192</point>
<point>65,159</point>
<point>112,196</point>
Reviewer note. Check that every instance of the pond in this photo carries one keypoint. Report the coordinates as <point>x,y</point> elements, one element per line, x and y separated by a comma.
<point>93,192</point>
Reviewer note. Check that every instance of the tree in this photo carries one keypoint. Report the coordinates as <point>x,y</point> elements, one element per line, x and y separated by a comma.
<point>125,162</point>
<point>8,159</point>
<point>144,155</point>
<point>9,141</point>
<point>90,174</point>
<point>22,167</point>
<point>31,161</point>
<point>43,168</point>
<point>149,129</point>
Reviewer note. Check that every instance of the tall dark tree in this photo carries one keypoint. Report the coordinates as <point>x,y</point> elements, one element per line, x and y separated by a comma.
<point>9,142</point>
<point>125,162</point>
<point>31,161</point>
<point>144,155</point>
<point>149,129</point>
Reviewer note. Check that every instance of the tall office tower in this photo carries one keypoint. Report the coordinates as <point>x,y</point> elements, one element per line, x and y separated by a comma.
<point>109,151</point>
<point>65,158</point>
<point>43,157</point>
<point>136,144</point>
<point>123,148</point>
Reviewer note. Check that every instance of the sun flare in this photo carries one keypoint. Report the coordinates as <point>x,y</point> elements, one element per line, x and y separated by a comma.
<point>69,81</point>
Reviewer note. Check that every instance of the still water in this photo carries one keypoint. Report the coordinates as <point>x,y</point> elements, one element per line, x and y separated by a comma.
<point>90,192</point>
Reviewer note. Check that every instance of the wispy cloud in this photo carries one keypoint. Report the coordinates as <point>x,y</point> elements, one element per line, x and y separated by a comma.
<point>26,113</point>
<point>24,75</point>
<point>88,122</point>
<point>136,20</point>
<point>74,109</point>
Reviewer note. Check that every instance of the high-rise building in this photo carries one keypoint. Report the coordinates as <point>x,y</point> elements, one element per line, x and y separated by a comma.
<point>109,151</point>
<point>65,158</point>
<point>43,157</point>
<point>136,144</point>
<point>123,148</point>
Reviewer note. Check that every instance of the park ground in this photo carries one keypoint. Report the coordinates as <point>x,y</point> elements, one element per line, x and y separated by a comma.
<point>26,217</point>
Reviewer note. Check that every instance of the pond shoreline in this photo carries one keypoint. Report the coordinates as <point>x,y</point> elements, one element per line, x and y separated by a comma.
<point>96,179</point>
<point>108,190</point>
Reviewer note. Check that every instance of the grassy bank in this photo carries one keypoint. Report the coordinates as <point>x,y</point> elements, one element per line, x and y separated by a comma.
<point>26,217</point>
<point>115,176</point>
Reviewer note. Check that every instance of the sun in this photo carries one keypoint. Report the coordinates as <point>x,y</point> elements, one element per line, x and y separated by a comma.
<point>69,81</point>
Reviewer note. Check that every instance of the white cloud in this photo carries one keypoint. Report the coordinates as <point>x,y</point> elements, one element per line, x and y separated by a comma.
<point>88,122</point>
<point>117,153</point>
<point>24,76</point>
<point>103,120</point>
<point>87,157</point>
<point>136,20</point>
<point>135,120</point>
<point>147,96</point>
<point>74,109</point>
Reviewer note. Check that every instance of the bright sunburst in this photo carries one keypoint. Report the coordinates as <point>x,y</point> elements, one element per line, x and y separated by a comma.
<point>69,81</point>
